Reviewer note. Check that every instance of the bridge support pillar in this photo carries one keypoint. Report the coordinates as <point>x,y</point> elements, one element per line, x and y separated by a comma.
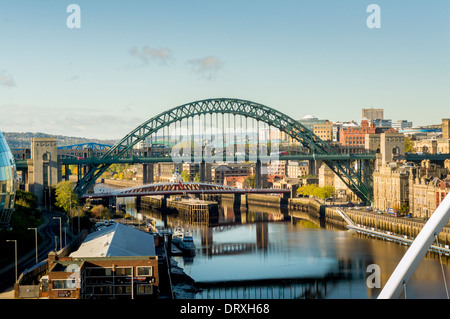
<point>164,201</point>
<point>313,166</point>
<point>258,167</point>
<point>284,200</point>
<point>147,174</point>
<point>112,204</point>
<point>237,200</point>
<point>66,172</point>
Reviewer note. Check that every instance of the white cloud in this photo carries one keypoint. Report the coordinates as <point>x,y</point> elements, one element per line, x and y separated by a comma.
<point>146,54</point>
<point>207,67</point>
<point>6,79</point>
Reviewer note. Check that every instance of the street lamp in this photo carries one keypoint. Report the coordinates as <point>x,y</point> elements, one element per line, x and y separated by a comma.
<point>15,254</point>
<point>60,232</point>
<point>35,239</point>
<point>56,244</point>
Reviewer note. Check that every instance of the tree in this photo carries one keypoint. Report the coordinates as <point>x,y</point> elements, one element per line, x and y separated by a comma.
<point>65,195</point>
<point>185,175</point>
<point>316,191</point>
<point>409,145</point>
<point>197,178</point>
<point>404,209</point>
<point>250,181</point>
<point>100,212</point>
<point>307,189</point>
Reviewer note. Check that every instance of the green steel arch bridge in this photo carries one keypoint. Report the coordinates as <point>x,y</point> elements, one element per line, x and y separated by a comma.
<point>199,133</point>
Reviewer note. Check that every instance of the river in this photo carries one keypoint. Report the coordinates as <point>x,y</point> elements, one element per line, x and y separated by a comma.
<point>269,254</point>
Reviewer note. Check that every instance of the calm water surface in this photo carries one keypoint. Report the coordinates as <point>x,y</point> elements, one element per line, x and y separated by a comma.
<point>264,253</point>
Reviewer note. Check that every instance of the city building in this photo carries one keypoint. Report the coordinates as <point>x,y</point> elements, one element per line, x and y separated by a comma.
<point>162,172</point>
<point>446,128</point>
<point>277,168</point>
<point>324,131</point>
<point>295,169</point>
<point>107,265</point>
<point>235,181</point>
<point>418,188</point>
<point>402,125</point>
<point>328,178</point>
<point>309,121</point>
<point>220,171</point>
<point>382,123</point>
<point>373,114</point>
<point>391,186</point>
<point>432,146</point>
<point>8,183</point>
<point>355,135</point>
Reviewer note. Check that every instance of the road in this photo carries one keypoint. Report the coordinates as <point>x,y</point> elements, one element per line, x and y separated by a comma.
<point>48,230</point>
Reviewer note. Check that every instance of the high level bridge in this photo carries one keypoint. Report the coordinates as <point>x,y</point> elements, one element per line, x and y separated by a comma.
<point>221,130</point>
<point>227,130</point>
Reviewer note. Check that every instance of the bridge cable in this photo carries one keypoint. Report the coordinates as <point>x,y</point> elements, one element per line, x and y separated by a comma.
<point>442,266</point>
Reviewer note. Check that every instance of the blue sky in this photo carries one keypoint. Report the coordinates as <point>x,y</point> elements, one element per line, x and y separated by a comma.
<point>131,60</point>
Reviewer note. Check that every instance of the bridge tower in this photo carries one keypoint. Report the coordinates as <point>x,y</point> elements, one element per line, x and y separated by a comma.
<point>42,168</point>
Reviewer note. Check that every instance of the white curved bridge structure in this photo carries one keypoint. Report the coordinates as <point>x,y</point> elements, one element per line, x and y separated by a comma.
<point>405,269</point>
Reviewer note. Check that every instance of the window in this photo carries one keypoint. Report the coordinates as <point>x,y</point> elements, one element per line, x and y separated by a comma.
<point>144,271</point>
<point>64,283</point>
<point>144,289</point>
<point>122,271</point>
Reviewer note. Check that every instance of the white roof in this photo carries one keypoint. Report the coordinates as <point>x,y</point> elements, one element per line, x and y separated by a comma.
<point>116,241</point>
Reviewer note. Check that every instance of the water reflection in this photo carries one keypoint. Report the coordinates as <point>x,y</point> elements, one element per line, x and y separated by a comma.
<point>266,252</point>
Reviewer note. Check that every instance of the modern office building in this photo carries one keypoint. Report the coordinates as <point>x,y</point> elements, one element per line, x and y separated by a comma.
<point>8,182</point>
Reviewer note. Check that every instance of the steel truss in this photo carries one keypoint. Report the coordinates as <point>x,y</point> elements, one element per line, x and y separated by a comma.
<point>352,177</point>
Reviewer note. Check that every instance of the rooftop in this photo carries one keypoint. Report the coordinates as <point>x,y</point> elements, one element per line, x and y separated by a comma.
<point>116,241</point>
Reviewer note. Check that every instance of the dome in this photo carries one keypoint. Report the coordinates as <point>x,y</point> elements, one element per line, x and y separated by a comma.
<point>309,117</point>
<point>8,182</point>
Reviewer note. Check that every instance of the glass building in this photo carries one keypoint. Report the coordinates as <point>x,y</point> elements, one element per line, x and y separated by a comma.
<point>8,182</point>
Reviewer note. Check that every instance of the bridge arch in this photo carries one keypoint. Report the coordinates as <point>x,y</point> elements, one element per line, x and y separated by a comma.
<point>245,108</point>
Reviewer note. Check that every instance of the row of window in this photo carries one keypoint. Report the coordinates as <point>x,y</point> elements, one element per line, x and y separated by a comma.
<point>125,290</point>
<point>118,271</point>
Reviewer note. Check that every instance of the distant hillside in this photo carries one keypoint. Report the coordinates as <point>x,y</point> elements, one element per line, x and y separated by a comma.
<point>23,140</point>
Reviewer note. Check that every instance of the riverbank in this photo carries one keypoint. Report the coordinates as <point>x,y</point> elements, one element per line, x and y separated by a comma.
<point>401,226</point>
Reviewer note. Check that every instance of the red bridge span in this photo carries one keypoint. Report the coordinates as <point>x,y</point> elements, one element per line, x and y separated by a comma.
<point>184,188</point>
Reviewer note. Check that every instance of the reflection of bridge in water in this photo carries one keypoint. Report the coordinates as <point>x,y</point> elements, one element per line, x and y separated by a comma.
<point>283,288</point>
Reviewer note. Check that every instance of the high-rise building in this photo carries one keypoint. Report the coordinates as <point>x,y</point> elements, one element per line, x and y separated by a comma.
<point>373,114</point>
<point>8,182</point>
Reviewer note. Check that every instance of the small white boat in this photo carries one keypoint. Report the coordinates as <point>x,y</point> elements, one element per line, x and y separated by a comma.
<point>184,240</point>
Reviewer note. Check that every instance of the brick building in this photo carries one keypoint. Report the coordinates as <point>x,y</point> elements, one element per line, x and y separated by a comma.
<point>107,265</point>
<point>355,135</point>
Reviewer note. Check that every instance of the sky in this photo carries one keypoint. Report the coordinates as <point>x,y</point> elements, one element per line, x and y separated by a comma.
<point>131,60</point>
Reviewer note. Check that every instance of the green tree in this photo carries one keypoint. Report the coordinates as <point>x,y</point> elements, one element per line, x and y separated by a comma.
<point>197,178</point>
<point>307,189</point>
<point>316,191</point>
<point>404,209</point>
<point>409,145</point>
<point>250,181</point>
<point>185,175</point>
<point>65,195</point>
<point>100,212</point>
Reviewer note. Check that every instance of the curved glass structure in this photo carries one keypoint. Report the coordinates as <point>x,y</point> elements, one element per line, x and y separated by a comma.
<point>8,182</point>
